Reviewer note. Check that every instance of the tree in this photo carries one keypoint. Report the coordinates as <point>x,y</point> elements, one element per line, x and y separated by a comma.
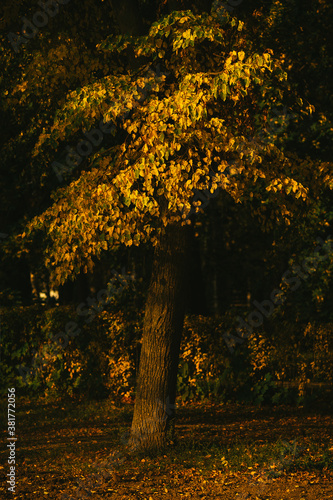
<point>185,120</point>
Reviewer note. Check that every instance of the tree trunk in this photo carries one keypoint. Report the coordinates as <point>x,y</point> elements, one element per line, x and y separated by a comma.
<point>197,302</point>
<point>128,16</point>
<point>154,410</point>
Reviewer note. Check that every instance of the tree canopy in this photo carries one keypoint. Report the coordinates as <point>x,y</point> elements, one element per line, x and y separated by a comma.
<point>185,112</point>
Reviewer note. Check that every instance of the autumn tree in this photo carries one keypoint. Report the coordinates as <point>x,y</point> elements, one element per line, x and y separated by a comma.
<point>186,118</point>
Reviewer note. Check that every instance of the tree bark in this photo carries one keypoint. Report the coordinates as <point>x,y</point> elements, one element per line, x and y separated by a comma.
<point>197,302</point>
<point>154,410</point>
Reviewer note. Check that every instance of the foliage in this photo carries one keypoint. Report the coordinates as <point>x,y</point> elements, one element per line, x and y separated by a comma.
<point>261,390</point>
<point>311,296</point>
<point>98,358</point>
<point>207,368</point>
<point>297,356</point>
<point>309,68</point>
<point>10,297</point>
<point>272,366</point>
<point>25,339</point>
<point>101,357</point>
<point>188,118</point>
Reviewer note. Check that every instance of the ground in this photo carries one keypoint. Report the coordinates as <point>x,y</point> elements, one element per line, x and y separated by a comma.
<point>69,449</point>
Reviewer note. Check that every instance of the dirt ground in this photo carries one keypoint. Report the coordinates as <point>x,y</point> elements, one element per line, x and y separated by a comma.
<point>175,485</point>
<point>60,458</point>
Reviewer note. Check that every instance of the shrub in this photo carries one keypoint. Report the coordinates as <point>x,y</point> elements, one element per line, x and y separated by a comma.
<point>296,354</point>
<point>207,368</point>
<point>54,352</point>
